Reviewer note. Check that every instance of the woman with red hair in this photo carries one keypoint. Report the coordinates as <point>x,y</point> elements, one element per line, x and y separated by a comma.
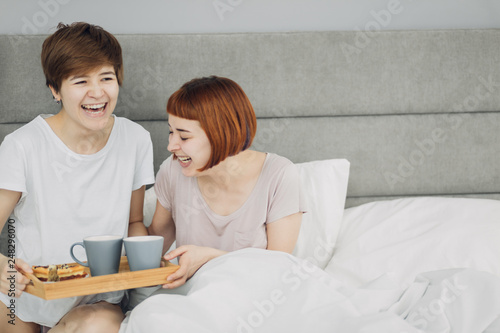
<point>214,194</point>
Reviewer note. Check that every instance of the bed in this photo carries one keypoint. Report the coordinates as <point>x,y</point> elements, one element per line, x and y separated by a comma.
<point>396,135</point>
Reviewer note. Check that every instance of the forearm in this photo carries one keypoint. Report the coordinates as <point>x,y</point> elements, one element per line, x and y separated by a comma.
<point>136,225</point>
<point>212,253</point>
<point>168,236</point>
<point>137,229</point>
<point>191,258</point>
<point>202,254</point>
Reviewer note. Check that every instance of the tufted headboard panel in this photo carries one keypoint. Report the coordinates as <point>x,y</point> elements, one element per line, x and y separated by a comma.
<point>415,112</point>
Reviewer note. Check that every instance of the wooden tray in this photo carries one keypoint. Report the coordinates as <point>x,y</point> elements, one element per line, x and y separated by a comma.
<point>124,279</point>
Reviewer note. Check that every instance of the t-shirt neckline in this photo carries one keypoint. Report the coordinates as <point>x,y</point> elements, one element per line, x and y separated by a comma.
<point>42,120</point>
<point>238,211</point>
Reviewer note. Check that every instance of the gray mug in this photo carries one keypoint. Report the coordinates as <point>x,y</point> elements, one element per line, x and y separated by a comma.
<point>103,254</point>
<point>143,252</point>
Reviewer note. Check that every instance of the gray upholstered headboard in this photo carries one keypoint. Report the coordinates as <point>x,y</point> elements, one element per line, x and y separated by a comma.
<point>415,112</point>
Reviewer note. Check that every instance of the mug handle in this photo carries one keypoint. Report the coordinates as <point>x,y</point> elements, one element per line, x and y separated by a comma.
<point>73,256</point>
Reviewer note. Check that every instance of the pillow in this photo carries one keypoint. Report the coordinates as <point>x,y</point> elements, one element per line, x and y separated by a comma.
<point>324,186</point>
<point>404,237</point>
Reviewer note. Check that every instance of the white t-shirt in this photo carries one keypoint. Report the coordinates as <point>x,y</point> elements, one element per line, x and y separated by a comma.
<point>275,195</point>
<point>68,196</point>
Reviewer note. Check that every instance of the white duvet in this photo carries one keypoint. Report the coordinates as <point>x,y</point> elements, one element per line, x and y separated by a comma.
<point>255,290</point>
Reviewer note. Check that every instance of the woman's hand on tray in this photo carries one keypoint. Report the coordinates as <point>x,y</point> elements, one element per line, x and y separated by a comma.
<point>12,281</point>
<point>191,258</point>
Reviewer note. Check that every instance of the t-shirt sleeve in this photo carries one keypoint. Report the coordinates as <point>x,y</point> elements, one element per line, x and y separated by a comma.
<point>286,199</point>
<point>144,172</point>
<point>161,187</point>
<point>12,166</point>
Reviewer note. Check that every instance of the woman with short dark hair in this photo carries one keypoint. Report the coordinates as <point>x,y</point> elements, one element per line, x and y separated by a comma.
<point>78,173</point>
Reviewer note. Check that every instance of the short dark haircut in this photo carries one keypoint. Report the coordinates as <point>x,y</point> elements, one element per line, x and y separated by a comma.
<point>78,49</point>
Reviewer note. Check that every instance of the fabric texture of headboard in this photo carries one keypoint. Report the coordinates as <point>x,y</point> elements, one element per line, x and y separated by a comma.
<point>416,113</point>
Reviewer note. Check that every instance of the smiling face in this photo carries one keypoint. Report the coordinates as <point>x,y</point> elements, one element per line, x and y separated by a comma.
<point>88,100</point>
<point>189,143</point>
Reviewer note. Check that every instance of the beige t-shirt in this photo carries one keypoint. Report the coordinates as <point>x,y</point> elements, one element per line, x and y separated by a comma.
<point>275,195</point>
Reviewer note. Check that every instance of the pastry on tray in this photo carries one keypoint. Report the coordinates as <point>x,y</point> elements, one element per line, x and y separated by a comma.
<point>53,273</point>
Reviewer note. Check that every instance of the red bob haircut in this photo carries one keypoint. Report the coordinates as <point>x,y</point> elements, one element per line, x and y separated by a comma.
<point>79,48</point>
<point>223,110</point>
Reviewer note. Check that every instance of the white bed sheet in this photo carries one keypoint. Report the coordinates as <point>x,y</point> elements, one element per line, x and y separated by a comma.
<point>254,290</point>
<point>408,236</point>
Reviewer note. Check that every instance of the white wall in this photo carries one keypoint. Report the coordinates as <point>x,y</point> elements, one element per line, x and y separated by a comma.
<point>206,16</point>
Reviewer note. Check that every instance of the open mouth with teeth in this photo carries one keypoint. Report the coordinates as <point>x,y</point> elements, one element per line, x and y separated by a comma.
<point>94,109</point>
<point>184,159</point>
